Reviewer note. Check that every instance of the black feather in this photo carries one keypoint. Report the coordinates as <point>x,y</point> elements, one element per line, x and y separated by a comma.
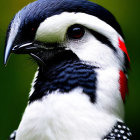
<point>65,74</point>
<point>33,14</point>
<point>119,132</point>
<point>12,136</point>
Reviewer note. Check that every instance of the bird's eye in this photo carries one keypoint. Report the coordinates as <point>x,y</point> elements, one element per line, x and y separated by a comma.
<point>32,29</point>
<point>76,31</point>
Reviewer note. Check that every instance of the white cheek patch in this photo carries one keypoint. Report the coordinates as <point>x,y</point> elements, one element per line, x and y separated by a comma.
<point>54,28</point>
<point>91,50</point>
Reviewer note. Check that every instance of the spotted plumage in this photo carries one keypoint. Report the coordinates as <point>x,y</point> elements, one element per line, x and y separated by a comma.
<point>119,132</point>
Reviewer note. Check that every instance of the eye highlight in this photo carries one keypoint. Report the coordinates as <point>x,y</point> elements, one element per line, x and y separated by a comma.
<point>76,31</point>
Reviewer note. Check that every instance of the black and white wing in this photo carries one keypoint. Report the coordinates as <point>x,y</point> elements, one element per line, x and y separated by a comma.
<point>12,136</point>
<point>119,132</point>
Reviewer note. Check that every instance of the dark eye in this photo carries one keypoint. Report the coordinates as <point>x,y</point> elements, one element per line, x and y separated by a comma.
<point>33,29</point>
<point>76,31</point>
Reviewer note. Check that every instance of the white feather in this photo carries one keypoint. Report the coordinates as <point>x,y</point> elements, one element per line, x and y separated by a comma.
<point>54,29</point>
<point>33,83</point>
<point>68,116</point>
<point>60,23</point>
<point>72,116</point>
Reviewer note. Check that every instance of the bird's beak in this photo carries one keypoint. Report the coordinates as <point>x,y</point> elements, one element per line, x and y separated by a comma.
<point>37,50</point>
<point>25,48</point>
<point>19,49</point>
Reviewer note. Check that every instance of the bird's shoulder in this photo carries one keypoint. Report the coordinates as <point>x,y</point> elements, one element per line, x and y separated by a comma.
<point>13,135</point>
<point>119,132</point>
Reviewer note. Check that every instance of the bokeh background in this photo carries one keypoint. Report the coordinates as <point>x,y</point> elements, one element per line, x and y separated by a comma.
<point>16,77</point>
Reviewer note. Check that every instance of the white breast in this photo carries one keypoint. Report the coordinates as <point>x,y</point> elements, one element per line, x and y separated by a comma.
<point>68,116</point>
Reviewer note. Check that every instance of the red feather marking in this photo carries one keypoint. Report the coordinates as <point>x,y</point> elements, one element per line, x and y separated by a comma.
<point>123,85</point>
<point>123,48</point>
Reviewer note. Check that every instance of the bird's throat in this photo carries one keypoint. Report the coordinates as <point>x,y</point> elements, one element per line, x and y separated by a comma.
<point>64,76</point>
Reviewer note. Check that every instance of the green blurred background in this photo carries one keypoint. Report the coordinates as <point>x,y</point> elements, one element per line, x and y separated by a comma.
<point>15,79</point>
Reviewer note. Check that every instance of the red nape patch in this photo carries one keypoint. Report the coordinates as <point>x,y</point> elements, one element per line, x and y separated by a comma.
<point>123,85</point>
<point>123,48</point>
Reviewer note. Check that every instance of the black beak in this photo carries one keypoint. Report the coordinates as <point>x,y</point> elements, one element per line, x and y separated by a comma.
<point>19,49</point>
<point>38,51</point>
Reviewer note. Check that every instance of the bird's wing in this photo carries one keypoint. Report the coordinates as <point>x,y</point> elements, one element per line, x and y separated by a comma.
<point>119,132</point>
<point>13,136</point>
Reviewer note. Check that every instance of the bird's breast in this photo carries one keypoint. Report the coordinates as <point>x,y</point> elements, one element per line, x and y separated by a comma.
<point>64,117</point>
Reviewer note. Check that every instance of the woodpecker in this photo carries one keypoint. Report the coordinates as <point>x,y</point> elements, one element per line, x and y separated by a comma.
<point>79,89</point>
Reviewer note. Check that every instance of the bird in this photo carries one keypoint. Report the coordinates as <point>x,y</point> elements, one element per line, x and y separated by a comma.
<point>80,87</point>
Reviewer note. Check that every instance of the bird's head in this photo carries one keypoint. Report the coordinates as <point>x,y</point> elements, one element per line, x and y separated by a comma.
<point>44,28</point>
<point>56,30</point>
